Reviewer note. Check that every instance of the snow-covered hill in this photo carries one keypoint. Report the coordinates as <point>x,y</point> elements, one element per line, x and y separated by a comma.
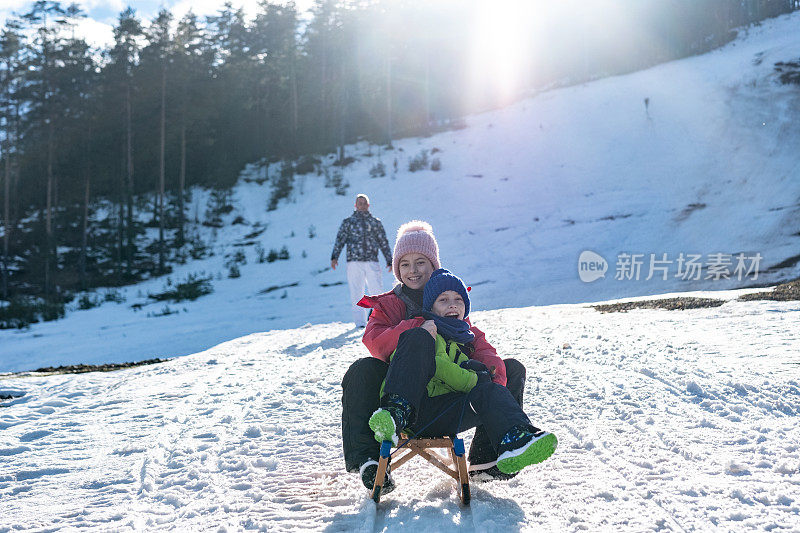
<point>667,420</point>
<point>709,166</point>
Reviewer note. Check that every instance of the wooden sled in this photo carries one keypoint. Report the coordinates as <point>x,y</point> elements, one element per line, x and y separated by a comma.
<point>455,466</point>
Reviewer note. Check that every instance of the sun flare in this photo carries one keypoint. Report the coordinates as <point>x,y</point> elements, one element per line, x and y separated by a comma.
<point>500,43</point>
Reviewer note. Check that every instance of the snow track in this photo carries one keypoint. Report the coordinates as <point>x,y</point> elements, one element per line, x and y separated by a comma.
<point>678,421</point>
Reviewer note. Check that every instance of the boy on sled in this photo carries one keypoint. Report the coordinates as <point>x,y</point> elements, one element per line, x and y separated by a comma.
<point>420,392</point>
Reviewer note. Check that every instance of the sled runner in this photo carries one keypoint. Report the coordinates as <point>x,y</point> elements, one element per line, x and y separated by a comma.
<point>454,466</point>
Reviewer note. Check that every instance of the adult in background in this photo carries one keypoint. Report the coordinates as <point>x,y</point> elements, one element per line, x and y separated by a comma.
<point>364,235</point>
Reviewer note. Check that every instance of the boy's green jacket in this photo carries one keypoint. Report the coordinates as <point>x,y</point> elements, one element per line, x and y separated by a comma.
<point>449,377</point>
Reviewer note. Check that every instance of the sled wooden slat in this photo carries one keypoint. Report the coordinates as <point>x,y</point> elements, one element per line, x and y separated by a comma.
<point>457,469</point>
<point>442,442</point>
<point>399,462</point>
<point>380,475</point>
<point>437,462</point>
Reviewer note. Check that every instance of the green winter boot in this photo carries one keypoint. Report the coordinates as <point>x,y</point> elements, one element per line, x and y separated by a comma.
<point>521,447</point>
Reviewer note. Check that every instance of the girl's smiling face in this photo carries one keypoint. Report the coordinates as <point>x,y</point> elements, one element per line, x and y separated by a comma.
<point>449,304</point>
<point>415,270</point>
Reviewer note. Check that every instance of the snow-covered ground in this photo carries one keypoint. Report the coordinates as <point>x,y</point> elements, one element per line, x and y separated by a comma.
<point>711,167</point>
<point>667,420</point>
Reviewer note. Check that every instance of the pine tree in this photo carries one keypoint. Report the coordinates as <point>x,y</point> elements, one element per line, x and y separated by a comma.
<point>46,17</point>
<point>192,69</point>
<point>233,94</point>
<point>79,79</point>
<point>159,52</point>
<point>272,44</point>
<point>10,62</point>
<point>124,57</point>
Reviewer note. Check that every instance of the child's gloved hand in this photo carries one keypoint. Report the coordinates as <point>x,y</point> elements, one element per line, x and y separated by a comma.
<point>474,365</point>
<point>483,377</point>
<point>483,373</point>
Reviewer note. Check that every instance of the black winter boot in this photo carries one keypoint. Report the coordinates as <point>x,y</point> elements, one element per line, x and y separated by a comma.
<point>369,471</point>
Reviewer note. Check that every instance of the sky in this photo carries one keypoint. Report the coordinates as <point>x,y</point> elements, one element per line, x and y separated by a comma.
<point>102,14</point>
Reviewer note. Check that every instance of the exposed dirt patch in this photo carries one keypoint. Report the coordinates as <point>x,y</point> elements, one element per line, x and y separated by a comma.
<point>784,292</point>
<point>278,287</point>
<point>670,304</point>
<point>789,291</point>
<point>616,217</point>
<point>255,234</point>
<point>789,72</point>
<point>786,263</point>
<point>82,369</point>
<point>688,210</point>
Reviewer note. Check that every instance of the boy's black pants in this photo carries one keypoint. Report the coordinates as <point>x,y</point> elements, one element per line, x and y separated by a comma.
<point>362,382</point>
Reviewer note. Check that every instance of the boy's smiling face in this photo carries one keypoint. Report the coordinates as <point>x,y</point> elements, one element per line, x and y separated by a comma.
<point>449,304</point>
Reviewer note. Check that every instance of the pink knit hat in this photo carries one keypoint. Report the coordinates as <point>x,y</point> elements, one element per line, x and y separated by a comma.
<point>415,237</point>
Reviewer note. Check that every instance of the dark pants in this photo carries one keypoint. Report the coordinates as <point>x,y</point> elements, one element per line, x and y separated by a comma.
<point>360,387</point>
